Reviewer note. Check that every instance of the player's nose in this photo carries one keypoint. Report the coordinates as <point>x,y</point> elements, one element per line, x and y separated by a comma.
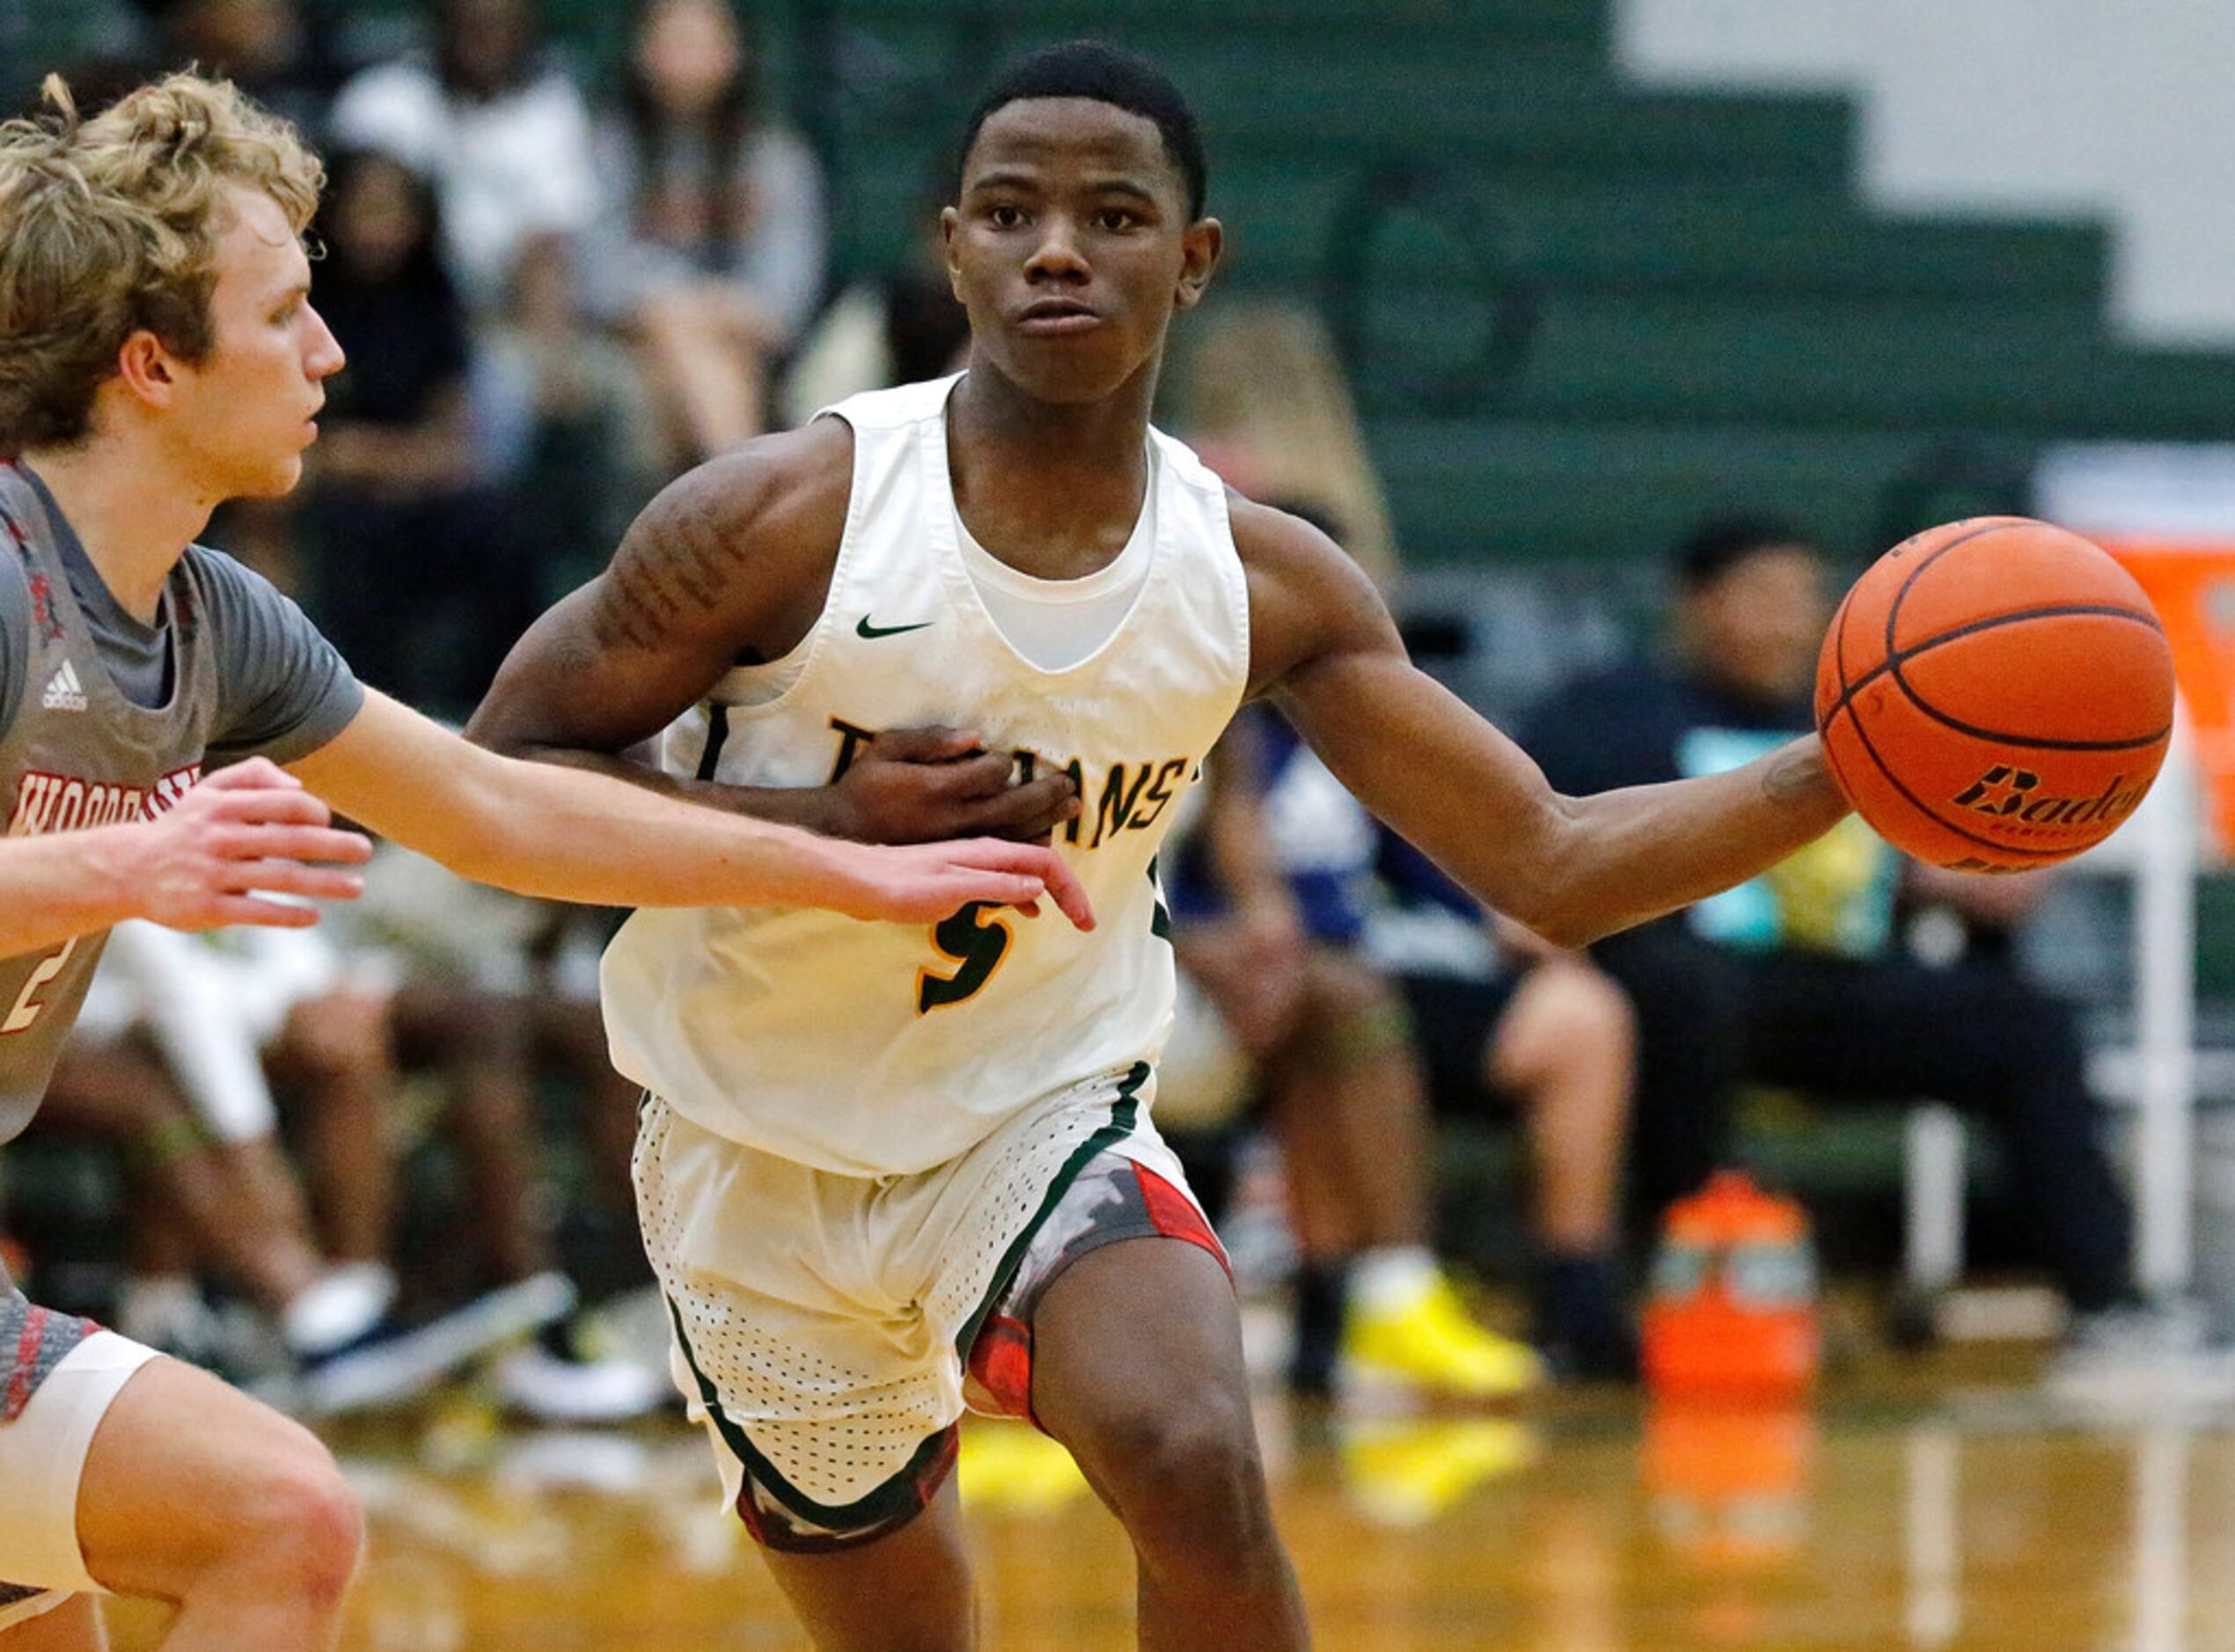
<point>322,355</point>
<point>1057,254</point>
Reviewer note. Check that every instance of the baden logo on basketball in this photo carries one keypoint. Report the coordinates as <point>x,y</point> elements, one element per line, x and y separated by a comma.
<point>2009,793</point>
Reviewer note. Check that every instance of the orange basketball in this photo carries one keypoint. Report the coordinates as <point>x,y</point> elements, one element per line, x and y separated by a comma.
<point>1994,695</point>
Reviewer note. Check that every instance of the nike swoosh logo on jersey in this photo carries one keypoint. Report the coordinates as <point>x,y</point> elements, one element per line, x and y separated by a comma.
<point>865,629</point>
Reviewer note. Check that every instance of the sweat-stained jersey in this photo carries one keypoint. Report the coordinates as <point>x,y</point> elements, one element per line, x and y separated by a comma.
<point>873,1050</point>
<point>237,671</point>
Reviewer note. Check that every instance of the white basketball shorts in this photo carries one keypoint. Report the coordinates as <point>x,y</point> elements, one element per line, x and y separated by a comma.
<point>824,1324</point>
<point>42,1456</point>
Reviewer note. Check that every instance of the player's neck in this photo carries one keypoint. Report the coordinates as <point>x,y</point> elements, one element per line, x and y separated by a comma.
<point>1052,489</point>
<point>132,513</point>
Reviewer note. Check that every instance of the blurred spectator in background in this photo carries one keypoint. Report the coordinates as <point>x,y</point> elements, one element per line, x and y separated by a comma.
<point>424,570</point>
<point>896,326</point>
<point>561,414</point>
<point>1799,980</point>
<point>498,128</point>
<point>1259,392</point>
<point>268,47</point>
<point>710,245</point>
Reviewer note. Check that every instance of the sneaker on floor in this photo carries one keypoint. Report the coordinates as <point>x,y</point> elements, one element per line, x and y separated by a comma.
<point>1431,1342</point>
<point>553,1380</point>
<point>394,1361</point>
<point>2138,1355</point>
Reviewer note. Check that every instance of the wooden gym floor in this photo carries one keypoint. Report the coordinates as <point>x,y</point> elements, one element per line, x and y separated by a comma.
<point>1933,1502</point>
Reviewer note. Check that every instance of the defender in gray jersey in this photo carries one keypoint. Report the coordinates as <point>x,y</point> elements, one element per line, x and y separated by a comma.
<point>158,353</point>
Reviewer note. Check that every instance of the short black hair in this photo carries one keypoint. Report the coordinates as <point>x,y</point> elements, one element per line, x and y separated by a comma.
<point>1719,545</point>
<point>1123,79</point>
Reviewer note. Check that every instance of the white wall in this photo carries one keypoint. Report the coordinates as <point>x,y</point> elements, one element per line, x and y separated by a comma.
<point>2118,108</point>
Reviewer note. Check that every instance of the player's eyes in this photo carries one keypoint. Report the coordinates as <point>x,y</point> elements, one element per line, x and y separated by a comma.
<point>1004,216</point>
<point>1117,218</point>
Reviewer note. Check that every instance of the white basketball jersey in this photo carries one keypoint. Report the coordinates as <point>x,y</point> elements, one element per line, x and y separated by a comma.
<point>886,1048</point>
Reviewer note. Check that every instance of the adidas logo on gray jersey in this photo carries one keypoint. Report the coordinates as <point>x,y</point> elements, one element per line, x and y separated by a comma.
<point>63,693</point>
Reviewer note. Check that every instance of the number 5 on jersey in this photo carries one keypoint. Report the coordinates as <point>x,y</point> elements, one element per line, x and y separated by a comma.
<point>976,944</point>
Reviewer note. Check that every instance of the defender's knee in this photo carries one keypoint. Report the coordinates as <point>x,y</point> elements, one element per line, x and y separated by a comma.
<point>301,1532</point>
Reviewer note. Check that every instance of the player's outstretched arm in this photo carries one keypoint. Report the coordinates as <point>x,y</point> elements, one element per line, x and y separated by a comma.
<point>246,828</point>
<point>731,562</point>
<point>1573,869</point>
<point>569,835</point>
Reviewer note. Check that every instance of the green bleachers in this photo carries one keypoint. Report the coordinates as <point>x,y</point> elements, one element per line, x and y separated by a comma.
<point>1692,308</point>
<point>1525,490</point>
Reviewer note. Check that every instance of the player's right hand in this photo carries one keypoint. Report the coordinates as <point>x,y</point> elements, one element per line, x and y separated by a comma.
<point>241,833</point>
<point>916,785</point>
<point>924,883</point>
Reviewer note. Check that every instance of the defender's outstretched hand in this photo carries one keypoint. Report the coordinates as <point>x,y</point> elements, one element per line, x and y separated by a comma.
<point>247,829</point>
<point>923,883</point>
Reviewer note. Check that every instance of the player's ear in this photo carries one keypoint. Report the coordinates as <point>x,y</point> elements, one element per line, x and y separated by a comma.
<point>950,226</point>
<point>147,369</point>
<point>1201,244</point>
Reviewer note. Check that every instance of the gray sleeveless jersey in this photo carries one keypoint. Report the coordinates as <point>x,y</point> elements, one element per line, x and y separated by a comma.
<point>248,675</point>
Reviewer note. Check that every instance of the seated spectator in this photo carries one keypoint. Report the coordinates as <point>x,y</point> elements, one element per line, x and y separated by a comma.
<point>333,1036</point>
<point>498,130</point>
<point>165,1065</point>
<point>1503,1022</point>
<point>1272,975</point>
<point>710,247</point>
<point>1798,980</point>
<point>422,569</point>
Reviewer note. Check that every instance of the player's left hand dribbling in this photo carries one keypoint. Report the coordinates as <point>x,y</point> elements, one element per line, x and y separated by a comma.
<point>925,883</point>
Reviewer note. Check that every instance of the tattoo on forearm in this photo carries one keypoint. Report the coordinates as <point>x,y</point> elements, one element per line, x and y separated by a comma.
<point>1792,776</point>
<point>672,563</point>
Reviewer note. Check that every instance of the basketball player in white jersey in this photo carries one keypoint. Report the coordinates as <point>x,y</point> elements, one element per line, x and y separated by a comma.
<point>877,1161</point>
<point>158,353</point>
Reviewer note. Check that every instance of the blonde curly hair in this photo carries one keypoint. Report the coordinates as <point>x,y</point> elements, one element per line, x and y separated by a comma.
<point>110,225</point>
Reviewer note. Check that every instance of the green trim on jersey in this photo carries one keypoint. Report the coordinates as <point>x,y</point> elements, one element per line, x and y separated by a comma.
<point>1124,1117</point>
<point>873,1508</point>
<point>717,737</point>
<point>1160,919</point>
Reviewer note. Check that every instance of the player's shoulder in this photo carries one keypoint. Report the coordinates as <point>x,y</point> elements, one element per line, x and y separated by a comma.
<point>782,493</point>
<point>220,582</point>
<point>225,581</point>
<point>1278,547</point>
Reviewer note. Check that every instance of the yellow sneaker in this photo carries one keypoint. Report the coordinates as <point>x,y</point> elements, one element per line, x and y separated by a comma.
<point>1433,1343</point>
<point>1405,1473</point>
<point>1016,1469</point>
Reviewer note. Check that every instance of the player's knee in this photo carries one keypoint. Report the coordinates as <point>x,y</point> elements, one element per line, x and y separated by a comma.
<point>1187,1466</point>
<point>302,1531</point>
